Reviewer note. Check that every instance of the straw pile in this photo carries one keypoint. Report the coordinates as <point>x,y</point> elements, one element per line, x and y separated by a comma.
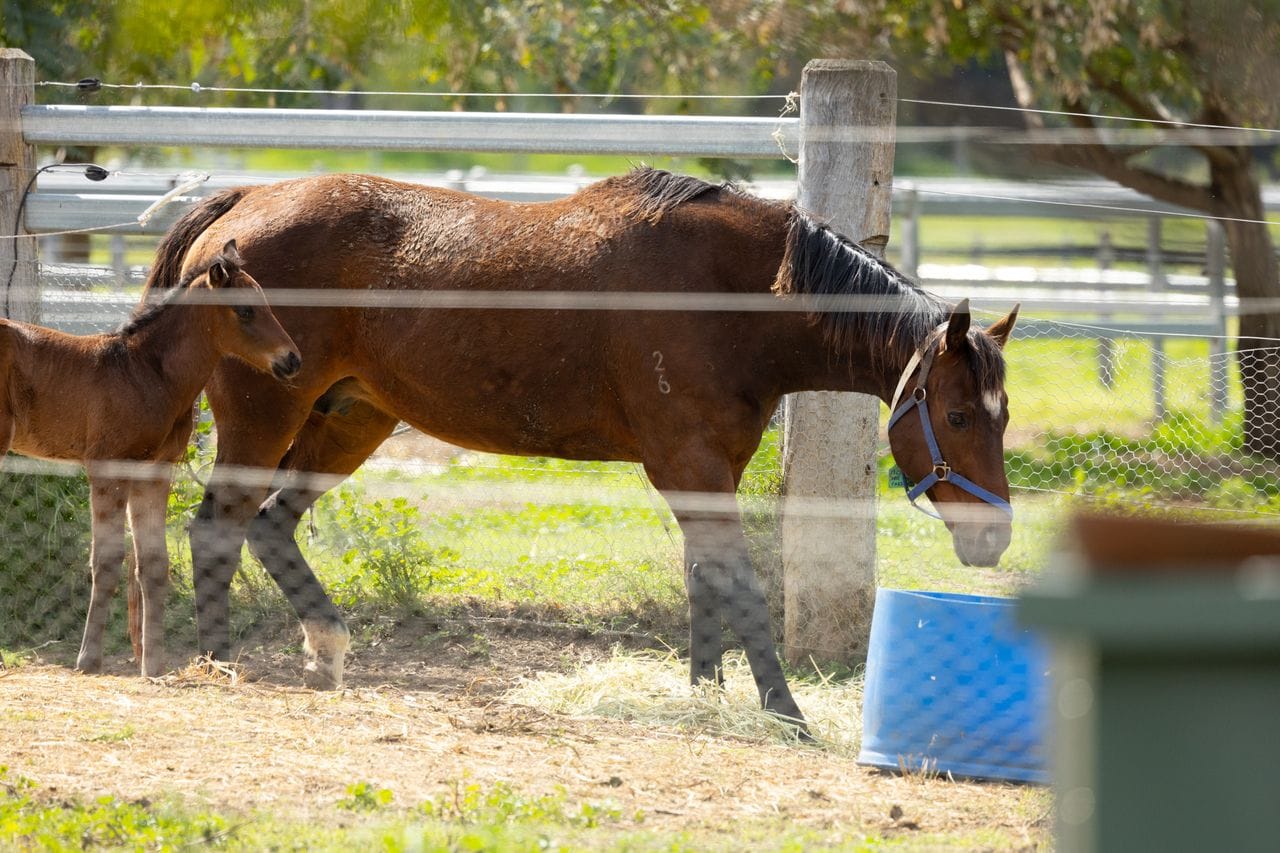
<point>653,689</point>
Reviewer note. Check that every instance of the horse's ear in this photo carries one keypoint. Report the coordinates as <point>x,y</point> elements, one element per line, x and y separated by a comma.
<point>1002,329</point>
<point>218,275</point>
<point>958,326</point>
<point>231,253</point>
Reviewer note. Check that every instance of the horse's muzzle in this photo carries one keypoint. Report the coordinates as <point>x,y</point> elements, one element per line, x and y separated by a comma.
<point>979,544</point>
<point>286,366</point>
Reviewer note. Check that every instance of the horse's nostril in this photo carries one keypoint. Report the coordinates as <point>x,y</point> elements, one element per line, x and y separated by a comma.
<point>288,366</point>
<point>996,539</point>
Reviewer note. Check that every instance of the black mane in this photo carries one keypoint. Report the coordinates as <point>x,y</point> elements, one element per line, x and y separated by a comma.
<point>896,317</point>
<point>654,192</point>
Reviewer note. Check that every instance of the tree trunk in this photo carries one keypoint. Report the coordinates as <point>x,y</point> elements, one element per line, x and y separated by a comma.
<point>1257,275</point>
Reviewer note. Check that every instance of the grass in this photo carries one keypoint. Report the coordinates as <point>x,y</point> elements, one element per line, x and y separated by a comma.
<point>469,817</point>
<point>474,818</point>
<point>1054,387</point>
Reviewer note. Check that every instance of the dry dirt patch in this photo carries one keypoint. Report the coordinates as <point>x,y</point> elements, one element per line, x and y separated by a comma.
<point>418,728</point>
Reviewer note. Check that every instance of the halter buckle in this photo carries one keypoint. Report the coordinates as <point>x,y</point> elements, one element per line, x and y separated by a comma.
<point>942,471</point>
<point>919,394</point>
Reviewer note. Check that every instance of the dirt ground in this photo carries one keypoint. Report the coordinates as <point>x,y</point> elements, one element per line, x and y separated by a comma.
<point>417,717</point>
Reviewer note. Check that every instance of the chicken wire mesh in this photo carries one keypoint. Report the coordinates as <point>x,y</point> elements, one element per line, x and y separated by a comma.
<point>1098,415</point>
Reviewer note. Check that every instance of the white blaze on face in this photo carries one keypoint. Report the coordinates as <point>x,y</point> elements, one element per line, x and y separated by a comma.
<point>991,401</point>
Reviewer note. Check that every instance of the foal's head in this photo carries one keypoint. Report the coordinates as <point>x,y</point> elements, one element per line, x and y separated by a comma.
<point>956,382</point>
<point>244,325</point>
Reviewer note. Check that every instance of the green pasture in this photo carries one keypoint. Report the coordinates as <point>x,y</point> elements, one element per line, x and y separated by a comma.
<point>471,817</point>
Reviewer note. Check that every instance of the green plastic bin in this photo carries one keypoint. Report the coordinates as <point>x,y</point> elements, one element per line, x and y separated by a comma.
<point>1166,688</point>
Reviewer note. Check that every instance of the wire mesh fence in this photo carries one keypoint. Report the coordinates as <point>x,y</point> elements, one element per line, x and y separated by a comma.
<point>1103,410</point>
<point>1097,416</point>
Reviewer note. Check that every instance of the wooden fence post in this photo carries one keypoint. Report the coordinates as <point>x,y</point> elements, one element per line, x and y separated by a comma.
<point>1106,346</point>
<point>1156,282</point>
<point>847,122</point>
<point>19,286</point>
<point>1216,267</point>
<point>909,261</point>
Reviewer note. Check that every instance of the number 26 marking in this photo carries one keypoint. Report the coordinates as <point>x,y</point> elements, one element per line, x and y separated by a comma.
<point>663,385</point>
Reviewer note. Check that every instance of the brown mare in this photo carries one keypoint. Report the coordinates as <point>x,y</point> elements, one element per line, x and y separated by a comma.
<point>579,384</point>
<point>121,404</point>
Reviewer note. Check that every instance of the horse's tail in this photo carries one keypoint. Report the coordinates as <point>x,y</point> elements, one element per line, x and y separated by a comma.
<point>167,268</point>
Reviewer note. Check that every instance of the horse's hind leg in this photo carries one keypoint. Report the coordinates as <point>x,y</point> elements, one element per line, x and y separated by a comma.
<point>255,427</point>
<point>147,503</point>
<point>107,500</point>
<point>326,451</point>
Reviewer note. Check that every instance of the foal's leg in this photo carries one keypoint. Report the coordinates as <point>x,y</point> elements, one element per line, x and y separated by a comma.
<point>328,450</point>
<point>107,498</point>
<point>148,500</point>
<point>720,578</point>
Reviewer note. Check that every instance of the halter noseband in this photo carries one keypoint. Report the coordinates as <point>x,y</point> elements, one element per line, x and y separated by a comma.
<point>942,472</point>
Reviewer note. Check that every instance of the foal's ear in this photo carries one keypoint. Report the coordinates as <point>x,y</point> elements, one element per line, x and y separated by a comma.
<point>218,274</point>
<point>1001,329</point>
<point>231,253</point>
<point>958,326</point>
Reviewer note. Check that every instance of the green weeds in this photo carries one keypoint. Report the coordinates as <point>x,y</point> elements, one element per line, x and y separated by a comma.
<point>28,822</point>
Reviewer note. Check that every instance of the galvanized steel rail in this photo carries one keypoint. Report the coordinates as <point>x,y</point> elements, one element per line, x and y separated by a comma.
<point>397,130</point>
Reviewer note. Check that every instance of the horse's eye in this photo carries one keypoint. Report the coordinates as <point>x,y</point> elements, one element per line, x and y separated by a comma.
<point>244,312</point>
<point>957,420</point>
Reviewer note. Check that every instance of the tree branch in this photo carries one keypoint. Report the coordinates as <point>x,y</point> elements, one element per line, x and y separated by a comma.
<point>1102,160</point>
<point>1152,111</point>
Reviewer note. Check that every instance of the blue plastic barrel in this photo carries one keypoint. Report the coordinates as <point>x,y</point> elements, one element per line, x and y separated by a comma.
<point>954,685</point>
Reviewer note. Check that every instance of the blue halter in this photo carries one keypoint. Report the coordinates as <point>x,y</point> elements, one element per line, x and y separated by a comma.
<point>942,472</point>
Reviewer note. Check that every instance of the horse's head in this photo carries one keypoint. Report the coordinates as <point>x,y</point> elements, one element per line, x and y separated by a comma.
<point>247,328</point>
<point>946,431</point>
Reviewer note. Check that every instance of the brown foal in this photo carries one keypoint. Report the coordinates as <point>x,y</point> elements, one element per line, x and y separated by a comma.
<point>121,405</point>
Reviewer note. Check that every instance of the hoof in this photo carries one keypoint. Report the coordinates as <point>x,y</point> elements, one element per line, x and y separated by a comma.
<point>325,647</point>
<point>152,666</point>
<point>316,675</point>
<point>89,666</point>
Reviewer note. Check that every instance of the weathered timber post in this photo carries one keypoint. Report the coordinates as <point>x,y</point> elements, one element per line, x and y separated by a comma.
<point>847,122</point>
<point>909,261</point>
<point>1106,346</point>
<point>1156,282</point>
<point>1216,267</point>
<point>19,287</point>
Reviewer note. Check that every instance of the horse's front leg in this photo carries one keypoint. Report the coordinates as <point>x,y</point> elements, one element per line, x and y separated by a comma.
<point>706,653</point>
<point>148,500</point>
<point>699,485</point>
<point>107,498</point>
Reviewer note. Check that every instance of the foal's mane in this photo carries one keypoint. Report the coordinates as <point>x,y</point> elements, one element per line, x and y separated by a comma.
<point>897,317</point>
<point>156,298</point>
